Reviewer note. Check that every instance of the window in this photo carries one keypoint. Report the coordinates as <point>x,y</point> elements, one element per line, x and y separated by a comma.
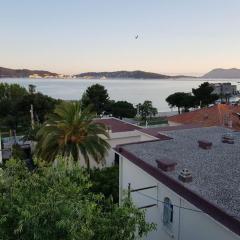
<point>167,213</point>
<point>116,159</point>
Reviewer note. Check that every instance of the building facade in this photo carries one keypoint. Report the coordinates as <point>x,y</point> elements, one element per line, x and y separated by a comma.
<point>205,207</point>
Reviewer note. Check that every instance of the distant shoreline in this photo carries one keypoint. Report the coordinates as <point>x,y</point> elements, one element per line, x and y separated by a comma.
<point>126,79</point>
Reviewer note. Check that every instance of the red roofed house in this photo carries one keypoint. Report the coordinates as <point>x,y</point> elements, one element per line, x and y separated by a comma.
<point>218,115</point>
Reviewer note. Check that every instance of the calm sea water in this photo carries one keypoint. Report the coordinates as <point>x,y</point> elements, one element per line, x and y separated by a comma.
<point>134,91</point>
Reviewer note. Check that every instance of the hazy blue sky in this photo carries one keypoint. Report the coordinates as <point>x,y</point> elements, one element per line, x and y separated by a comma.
<point>72,36</point>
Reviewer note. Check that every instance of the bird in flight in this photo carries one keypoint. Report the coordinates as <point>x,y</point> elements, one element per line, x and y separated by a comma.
<point>136,37</point>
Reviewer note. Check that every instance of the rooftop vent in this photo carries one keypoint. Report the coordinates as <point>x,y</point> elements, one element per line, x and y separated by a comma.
<point>185,176</point>
<point>204,144</point>
<point>228,138</point>
<point>167,165</point>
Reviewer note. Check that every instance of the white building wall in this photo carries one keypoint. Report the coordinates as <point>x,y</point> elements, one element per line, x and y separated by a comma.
<point>187,224</point>
<point>115,139</point>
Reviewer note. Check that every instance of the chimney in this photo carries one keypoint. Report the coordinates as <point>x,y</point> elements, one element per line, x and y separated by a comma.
<point>166,165</point>
<point>228,138</point>
<point>185,176</point>
<point>204,144</point>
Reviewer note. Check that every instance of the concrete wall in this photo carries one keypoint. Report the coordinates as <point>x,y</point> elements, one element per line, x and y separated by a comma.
<point>187,224</point>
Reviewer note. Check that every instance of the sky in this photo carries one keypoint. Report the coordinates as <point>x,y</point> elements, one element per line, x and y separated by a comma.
<point>73,36</point>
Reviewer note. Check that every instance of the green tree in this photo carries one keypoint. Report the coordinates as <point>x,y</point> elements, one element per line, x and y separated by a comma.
<point>71,131</point>
<point>97,97</point>
<point>18,152</point>
<point>10,97</point>
<point>15,102</point>
<point>146,110</point>
<point>42,105</point>
<point>181,100</point>
<point>56,203</point>
<point>122,109</point>
<point>105,181</point>
<point>189,101</point>
<point>204,94</point>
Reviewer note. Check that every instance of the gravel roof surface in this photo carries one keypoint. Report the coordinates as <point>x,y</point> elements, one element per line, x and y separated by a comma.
<point>216,172</point>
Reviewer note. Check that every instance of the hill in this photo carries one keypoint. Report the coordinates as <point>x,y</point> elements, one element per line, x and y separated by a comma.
<point>223,73</point>
<point>19,73</point>
<point>125,74</point>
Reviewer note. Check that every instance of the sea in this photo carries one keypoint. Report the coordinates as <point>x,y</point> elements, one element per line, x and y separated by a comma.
<point>131,90</point>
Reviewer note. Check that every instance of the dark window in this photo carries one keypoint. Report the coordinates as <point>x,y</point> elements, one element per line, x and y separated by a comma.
<point>116,159</point>
<point>167,213</point>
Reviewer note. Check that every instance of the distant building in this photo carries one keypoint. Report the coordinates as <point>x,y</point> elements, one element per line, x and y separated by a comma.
<point>188,183</point>
<point>224,89</point>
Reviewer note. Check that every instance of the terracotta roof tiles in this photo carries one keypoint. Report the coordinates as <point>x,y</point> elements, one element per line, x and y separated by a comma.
<point>217,115</point>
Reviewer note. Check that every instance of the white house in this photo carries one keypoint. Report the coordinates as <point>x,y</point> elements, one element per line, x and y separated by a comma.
<point>188,183</point>
<point>121,132</point>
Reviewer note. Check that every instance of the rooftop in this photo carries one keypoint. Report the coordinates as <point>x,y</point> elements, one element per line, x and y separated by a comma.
<point>117,125</point>
<point>157,132</point>
<point>215,172</point>
<point>217,115</point>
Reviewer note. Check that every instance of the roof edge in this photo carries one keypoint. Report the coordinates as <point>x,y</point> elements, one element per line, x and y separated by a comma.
<point>206,206</point>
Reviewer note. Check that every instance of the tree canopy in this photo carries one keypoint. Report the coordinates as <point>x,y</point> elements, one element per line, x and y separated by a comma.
<point>201,96</point>
<point>204,95</point>
<point>71,131</point>
<point>123,109</point>
<point>181,100</point>
<point>97,97</point>
<point>146,110</point>
<point>55,203</point>
<point>15,103</point>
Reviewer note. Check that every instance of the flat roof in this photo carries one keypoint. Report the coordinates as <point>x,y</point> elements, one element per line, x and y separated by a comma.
<point>117,125</point>
<point>215,172</point>
<point>157,131</point>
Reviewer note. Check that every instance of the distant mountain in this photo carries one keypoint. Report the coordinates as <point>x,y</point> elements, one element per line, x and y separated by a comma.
<point>126,74</point>
<point>19,73</point>
<point>223,73</point>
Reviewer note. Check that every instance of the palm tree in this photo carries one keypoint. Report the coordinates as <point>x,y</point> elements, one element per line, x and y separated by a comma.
<point>71,131</point>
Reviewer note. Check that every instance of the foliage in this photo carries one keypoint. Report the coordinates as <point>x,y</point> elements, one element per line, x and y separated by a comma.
<point>15,102</point>
<point>31,134</point>
<point>105,181</point>
<point>146,110</point>
<point>97,97</point>
<point>55,203</point>
<point>123,109</point>
<point>204,94</point>
<point>71,131</point>
<point>17,152</point>
<point>10,97</point>
<point>154,121</point>
<point>181,100</point>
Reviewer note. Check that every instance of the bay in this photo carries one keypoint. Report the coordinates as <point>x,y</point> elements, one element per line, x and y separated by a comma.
<point>132,90</point>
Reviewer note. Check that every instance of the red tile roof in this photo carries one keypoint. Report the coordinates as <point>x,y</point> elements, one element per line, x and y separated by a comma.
<point>217,115</point>
<point>116,125</point>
